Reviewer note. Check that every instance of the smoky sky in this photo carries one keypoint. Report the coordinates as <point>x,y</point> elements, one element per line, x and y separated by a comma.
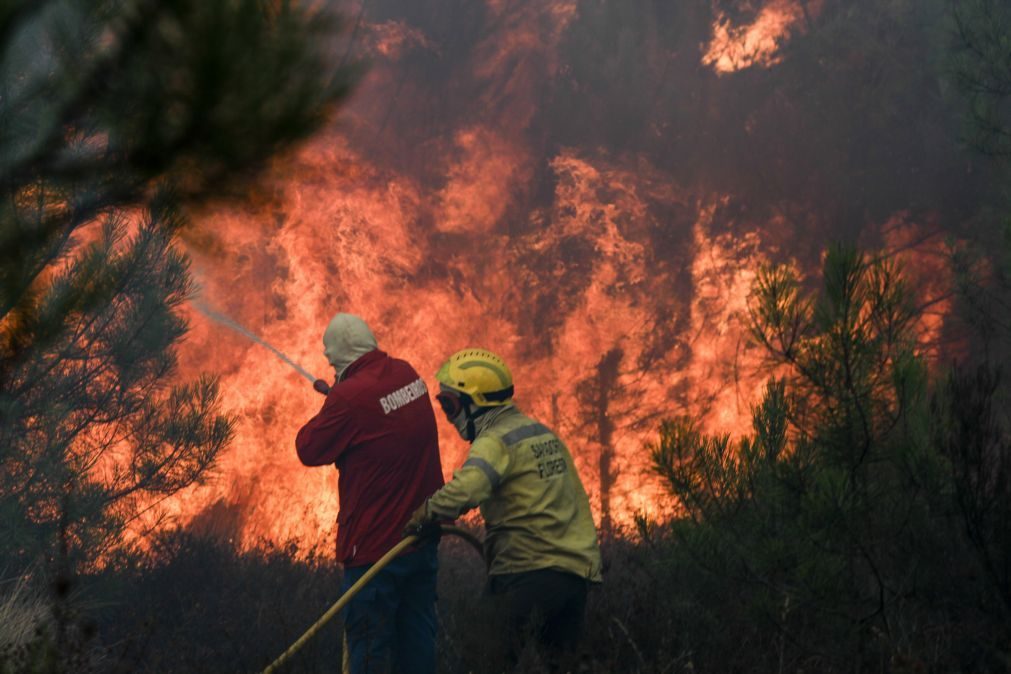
<point>856,122</point>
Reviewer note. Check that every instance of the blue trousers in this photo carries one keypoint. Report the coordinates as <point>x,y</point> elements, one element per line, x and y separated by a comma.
<point>390,625</point>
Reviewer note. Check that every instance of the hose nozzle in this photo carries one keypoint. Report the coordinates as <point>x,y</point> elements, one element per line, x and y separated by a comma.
<point>321,386</point>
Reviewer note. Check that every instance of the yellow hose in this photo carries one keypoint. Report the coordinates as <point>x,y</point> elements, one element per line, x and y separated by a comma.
<point>357,587</point>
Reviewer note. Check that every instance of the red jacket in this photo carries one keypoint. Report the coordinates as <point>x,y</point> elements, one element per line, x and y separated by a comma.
<point>377,427</point>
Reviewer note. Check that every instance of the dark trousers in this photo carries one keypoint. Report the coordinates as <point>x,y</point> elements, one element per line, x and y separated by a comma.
<point>546,605</point>
<point>390,625</point>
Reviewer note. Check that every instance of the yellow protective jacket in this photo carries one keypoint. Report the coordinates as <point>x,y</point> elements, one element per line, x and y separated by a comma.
<point>534,506</point>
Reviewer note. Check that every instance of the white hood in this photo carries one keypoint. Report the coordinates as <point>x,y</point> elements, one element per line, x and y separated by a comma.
<point>346,339</point>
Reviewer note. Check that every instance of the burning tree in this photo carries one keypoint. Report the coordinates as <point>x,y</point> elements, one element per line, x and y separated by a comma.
<point>596,395</point>
<point>112,116</point>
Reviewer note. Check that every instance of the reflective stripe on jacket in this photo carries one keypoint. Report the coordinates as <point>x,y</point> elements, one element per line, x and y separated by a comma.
<point>536,512</point>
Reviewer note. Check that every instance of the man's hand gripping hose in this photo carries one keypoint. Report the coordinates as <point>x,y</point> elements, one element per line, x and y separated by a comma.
<point>425,530</point>
<point>423,523</point>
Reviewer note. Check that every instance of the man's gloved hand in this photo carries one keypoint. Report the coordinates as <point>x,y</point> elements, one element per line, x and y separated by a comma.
<point>422,524</point>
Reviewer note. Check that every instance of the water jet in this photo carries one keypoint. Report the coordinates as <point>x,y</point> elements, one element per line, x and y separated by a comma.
<point>318,384</point>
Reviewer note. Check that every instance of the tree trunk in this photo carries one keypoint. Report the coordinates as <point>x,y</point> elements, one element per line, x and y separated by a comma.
<point>607,378</point>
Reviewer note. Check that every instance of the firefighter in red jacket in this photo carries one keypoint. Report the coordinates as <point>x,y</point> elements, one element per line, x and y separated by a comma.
<point>377,427</point>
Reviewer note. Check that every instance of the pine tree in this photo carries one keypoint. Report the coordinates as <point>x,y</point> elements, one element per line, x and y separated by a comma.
<point>981,68</point>
<point>115,115</point>
<point>819,524</point>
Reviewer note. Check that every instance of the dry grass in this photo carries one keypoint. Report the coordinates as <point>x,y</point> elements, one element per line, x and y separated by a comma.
<point>24,617</point>
<point>197,605</point>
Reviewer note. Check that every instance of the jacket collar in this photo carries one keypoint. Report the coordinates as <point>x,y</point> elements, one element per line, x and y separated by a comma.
<point>363,362</point>
<point>486,420</point>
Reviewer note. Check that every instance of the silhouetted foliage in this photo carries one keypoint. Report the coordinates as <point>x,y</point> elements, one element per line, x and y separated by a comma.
<point>852,525</point>
<point>114,116</point>
<point>982,70</point>
<point>234,611</point>
<point>197,605</point>
<point>971,430</point>
<point>105,107</point>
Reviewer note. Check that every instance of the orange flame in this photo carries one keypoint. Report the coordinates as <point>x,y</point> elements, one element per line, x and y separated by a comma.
<point>351,240</point>
<point>734,48</point>
<point>612,256</point>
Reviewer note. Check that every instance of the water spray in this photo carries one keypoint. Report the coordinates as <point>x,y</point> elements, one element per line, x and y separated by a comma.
<point>318,384</point>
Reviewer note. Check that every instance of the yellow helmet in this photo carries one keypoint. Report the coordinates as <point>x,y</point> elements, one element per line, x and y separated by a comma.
<point>480,374</point>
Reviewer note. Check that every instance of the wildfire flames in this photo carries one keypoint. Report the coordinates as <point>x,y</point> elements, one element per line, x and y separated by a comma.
<point>757,43</point>
<point>608,288</point>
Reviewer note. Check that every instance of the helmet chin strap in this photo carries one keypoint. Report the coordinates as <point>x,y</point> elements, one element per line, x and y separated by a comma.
<point>471,428</point>
<point>472,412</point>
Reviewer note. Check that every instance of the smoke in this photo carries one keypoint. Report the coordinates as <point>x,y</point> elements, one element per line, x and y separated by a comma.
<point>585,189</point>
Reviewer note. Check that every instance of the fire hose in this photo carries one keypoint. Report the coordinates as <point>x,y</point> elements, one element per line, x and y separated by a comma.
<point>361,583</point>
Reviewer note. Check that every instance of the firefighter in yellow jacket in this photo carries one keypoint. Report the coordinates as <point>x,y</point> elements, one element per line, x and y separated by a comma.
<point>540,541</point>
